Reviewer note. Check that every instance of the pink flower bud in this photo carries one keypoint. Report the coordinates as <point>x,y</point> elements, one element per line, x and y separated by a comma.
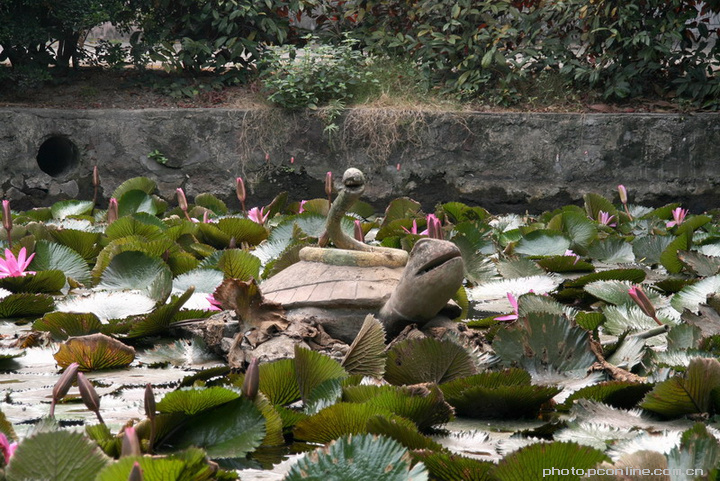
<point>130,443</point>
<point>642,300</point>
<point>240,190</point>
<point>623,194</point>
<point>359,231</point>
<point>182,200</point>
<point>89,395</point>
<point>136,473</point>
<point>62,386</point>
<point>7,217</point>
<point>252,380</point>
<point>149,401</point>
<point>328,184</point>
<point>112,213</point>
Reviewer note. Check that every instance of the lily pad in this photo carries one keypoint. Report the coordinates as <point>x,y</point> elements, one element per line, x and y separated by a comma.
<point>66,208</point>
<point>138,271</point>
<point>50,256</point>
<point>545,341</point>
<point>366,355</point>
<point>48,282</point>
<point>25,305</point>
<point>94,352</point>
<point>231,430</point>
<point>108,305</point>
<point>56,455</point>
<point>424,405</point>
<point>415,361</point>
<point>358,458</point>
<point>62,325</point>
<point>194,401</point>
<point>502,394</point>
<point>555,461</point>
<point>693,393</point>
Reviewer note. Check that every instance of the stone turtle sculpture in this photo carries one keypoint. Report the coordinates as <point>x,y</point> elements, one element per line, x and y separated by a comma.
<point>338,287</point>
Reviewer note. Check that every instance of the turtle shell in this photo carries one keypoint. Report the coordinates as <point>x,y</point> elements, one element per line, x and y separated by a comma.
<point>323,285</point>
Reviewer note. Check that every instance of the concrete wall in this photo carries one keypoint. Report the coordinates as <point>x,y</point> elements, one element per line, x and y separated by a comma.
<point>505,162</point>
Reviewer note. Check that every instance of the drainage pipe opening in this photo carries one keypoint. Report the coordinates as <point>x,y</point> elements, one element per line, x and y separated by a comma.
<point>57,156</point>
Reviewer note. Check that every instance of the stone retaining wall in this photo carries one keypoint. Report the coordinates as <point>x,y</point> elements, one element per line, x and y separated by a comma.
<point>505,162</point>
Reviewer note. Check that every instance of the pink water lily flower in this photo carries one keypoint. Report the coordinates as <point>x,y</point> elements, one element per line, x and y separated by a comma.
<point>606,219</point>
<point>258,215</point>
<point>214,303</point>
<point>6,447</point>
<point>414,229</point>
<point>15,267</point>
<point>678,217</point>
<point>570,253</point>
<point>514,315</point>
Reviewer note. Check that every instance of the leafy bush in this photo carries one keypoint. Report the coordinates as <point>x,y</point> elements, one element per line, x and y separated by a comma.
<point>35,35</point>
<point>195,35</point>
<point>316,74</point>
<point>471,48</point>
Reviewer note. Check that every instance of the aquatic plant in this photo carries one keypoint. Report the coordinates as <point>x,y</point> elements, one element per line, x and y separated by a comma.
<point>614,334</point>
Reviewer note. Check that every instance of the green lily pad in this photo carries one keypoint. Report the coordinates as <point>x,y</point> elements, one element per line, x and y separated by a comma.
<point>132,270</point>
<point>66,208</point>
<point>543,243</point>
<point>108,305</point>
<point>502,394</point>
<point>544,341</point>
<point>555,461</point>
<point>56,455</point>
<point>692,393</point>
<point>358,458</point>
<point>41,282</point>
<point>62,325</point>
<point>239,264</point>
<point>94,352</point>
<point>25,305</point>
<point>231,430</point>
<point>416,361</point>
<point>194,401</point>
<point>134,201</point>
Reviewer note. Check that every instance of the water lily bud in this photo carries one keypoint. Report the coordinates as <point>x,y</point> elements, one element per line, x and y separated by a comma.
<point>240,190</point>
<point>149,401</point>
<point>252,380</point>
<point>130,443</point>
<point>136,473</point>
<point>89,395</point>
<point>328,184</point>
<point>62,386</point>
<point>623,194</point>
<point>182,200</point>
<point>7,216</point>
<point>95,176</point>
<point>112,213</point>
<point>359,232</point>
<point>642,300</point>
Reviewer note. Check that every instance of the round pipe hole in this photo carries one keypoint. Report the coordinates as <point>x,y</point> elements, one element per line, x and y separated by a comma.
<point>57,156</point>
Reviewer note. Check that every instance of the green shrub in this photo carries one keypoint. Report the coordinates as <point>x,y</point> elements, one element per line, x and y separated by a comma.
<point>316,74</point>
<point>218,35</point>
<point>487,48</point>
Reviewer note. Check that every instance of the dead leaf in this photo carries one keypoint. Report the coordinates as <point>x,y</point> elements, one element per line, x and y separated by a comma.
<point>250,306</point>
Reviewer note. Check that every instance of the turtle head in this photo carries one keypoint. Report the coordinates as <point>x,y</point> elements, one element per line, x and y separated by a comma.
<point>433,274</point>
